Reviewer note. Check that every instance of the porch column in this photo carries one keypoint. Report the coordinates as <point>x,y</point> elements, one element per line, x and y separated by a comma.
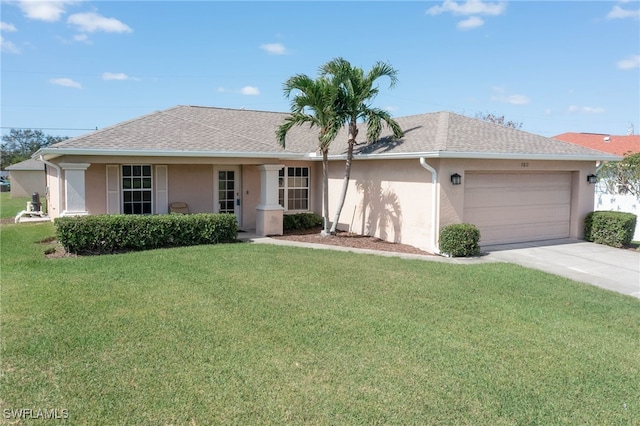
<point>74,198</point>
<point>269,213</point>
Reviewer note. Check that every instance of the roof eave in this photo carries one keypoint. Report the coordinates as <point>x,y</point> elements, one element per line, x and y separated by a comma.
<point>51,153</point>
<point>482,156</point>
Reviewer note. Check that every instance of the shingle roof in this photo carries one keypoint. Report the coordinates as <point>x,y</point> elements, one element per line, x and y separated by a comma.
<point>27,165</point>
<point>191,130</point>
<point>617,145</point>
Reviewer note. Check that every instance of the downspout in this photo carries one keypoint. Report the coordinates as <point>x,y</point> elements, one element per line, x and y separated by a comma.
<point>434,203</point>
<point>59,172</point>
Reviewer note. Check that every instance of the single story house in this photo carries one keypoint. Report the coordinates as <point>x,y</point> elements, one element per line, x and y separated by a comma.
<point>448,168</point>
<point>605,198</point>
<point>26,178</point>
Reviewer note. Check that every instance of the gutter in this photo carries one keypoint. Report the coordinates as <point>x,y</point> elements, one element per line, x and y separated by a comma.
<point>54,152</point>
<point>59,171</point>
<point>474,155</point>
<point>434,203</point>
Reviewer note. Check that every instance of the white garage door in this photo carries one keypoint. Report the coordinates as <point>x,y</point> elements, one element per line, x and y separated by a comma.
<point>518,207</point>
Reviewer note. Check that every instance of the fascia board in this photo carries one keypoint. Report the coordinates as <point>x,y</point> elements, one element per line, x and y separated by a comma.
<point>57,152</point>
<point>477,155</point>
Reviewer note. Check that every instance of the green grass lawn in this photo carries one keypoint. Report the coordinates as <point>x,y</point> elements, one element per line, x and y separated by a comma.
<point>10,207</point>
<point>260,334</point>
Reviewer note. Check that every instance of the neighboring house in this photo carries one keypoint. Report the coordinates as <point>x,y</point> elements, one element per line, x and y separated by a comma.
<point>617,145</point>
<point>515,186</point>
<point>26,178</point>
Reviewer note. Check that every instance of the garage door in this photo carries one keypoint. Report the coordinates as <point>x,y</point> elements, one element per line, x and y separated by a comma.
<point>518,207</point>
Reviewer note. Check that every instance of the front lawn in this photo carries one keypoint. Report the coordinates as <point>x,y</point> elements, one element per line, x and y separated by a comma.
<point>10,207</point>
<point>261,334</point>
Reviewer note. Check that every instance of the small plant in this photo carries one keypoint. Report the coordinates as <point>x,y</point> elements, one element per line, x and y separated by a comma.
<point>460,240</point>
<point>613,229</point>
<point>301,221</point>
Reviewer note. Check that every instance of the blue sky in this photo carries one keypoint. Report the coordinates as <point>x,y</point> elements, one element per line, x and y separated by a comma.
<point>553,66</point>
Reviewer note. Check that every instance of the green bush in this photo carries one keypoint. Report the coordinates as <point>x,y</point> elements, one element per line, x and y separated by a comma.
<point>613,229</point>
<point>460,240</point>
<point>299,221</point>
<point>102,234</point>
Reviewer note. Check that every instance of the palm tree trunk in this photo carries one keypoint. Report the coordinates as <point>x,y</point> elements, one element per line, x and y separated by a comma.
<point>325,192</point>
<point>353,131</point>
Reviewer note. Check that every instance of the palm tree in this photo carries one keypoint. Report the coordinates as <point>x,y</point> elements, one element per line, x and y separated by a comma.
<point>314,104</point>
<point>356,91</point>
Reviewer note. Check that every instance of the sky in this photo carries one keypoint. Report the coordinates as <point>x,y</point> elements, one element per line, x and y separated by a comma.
<point>69,67</point>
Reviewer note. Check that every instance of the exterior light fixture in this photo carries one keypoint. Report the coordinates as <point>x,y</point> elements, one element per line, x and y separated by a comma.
<point>456,179</point>
<point>592,178</point>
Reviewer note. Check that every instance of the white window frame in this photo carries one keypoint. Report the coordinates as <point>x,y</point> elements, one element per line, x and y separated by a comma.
<point>133,189</point>
<point>288,183</point>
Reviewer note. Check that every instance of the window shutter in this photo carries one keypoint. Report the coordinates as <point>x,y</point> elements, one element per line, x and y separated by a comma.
<point>113,189</point>
<point>162,189</point>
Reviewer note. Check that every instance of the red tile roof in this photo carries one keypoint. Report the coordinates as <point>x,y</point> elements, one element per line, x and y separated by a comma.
<point>617,145</point>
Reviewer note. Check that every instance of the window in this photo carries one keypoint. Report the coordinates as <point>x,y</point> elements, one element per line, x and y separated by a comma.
<point>293,191</point>
<point>137,189</point>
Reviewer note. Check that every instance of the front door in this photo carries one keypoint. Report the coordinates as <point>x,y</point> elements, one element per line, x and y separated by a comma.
<point>227,196</point>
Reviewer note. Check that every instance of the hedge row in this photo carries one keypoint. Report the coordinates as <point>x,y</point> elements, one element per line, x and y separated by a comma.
<point>300,221</point>
<point>614,229</point>
<point>101,234</point>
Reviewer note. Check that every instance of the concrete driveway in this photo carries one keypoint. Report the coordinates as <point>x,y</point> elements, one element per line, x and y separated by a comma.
<point>603,266</point>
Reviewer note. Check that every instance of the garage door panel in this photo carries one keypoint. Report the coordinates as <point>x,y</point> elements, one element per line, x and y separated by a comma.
<point>517,207</point>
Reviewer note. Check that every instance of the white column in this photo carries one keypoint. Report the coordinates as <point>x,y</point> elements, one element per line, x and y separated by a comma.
<point>74,189</point>
<point>269,213</point>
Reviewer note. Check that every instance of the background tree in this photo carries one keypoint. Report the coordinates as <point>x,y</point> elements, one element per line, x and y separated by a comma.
<point>315,103</point>
<point>20,144</point>
<point>357,90</point>
<point>622,177</point>
<point>495,119</point>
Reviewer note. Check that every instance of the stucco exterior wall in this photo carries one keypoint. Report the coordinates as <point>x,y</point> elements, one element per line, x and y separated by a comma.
<point>192,184</point>
<point>95,178</point>
<point>25,182</point>
<point>391,200</point>
<point>55,193</point>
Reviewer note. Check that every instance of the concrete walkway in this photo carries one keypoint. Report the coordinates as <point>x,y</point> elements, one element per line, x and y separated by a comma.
<point>606,267</point>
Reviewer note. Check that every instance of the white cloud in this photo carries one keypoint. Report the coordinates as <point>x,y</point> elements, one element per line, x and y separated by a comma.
<point>470,7</point>
<point>499,95</point>
<point>619,13</point>
<point>250,91</point>
<point>66,82</point>
<point>91,22</point>
<point>7,27</point>
<point>631,62</point>
<point>114,76</point>
<point>246,90</point>
<point>8,47</point>
<point>470,23</point>
<point>41,10</point>
<point>274,48</point>
<point>585,110</point>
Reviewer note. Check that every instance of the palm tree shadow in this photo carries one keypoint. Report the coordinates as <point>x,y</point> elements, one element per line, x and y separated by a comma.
<point>384,144</point>
<point>381,211</point>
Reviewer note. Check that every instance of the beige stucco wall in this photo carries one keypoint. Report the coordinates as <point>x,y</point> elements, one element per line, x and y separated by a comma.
<point>54,193</point>
<point>25,182</point>
<point>95,178</point>
<point>390,200</point>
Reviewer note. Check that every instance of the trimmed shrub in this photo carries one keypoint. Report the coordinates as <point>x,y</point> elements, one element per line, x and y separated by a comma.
<point>101,234</point>
<point>300,221</point>
<point>460,240</point>
<point>613,229</point>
